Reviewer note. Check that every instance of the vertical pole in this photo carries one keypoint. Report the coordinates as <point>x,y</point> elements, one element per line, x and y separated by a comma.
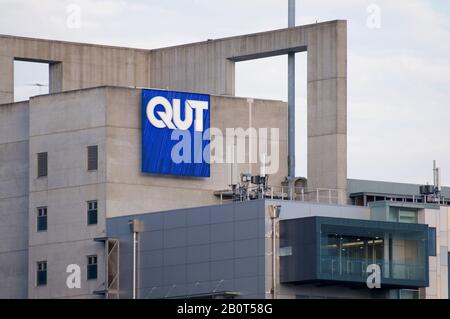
<point>134,264</point>
<point>291,99</point>
<point>250,137</point>
<point>274,212</point>
<point>274,258</point>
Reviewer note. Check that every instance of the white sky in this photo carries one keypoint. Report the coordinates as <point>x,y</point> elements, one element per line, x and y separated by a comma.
<point>398,74</point>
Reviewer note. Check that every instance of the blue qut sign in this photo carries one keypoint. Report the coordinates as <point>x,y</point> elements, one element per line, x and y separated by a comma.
<point>175,133</point>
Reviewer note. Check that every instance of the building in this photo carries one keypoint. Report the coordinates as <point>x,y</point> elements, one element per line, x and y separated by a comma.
<point>71,180</point>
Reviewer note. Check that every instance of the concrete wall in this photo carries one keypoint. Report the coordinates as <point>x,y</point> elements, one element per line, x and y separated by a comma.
<point>129,191</point>
<point>13,200</point>
<point>73,65</point>
<point>195,251</point>
<point>64,125</point>
<point>438,218</point>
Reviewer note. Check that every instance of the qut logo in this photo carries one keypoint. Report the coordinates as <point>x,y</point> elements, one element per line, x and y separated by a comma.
<point>170,116</point>
<point>167,116</point>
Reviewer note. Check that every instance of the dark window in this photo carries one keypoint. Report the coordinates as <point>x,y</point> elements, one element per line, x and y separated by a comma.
<point>42,219</point>
<point>92,158</point>
<point>41,164</point>
<point>431,241</point>
<point>92,212</point>
<point>92,267</point>
<point>41,273</point>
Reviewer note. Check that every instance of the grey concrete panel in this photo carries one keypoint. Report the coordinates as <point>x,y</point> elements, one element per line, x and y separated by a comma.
<point>222,214</point>
<point>246,248</point>
<point>151,259</point>
<point>199,217</point>
<point>247,285</point>
<point>175,237</point>
<point>198,235</point>
<point>222,232</point>
<point>246,229</point>
<point>152,239</point>
<point>252,211</point>
<point>223,269</point>
<point>222,251</point>
<point>199,272</point>
<point>174,256</point>
<point>444,256</point>
<point>198,253</point>
<point>245,267</point>
<point>174,220</point>
<point>174,275</point>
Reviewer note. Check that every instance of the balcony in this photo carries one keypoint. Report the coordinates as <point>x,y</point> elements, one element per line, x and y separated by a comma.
<point>338,251</point>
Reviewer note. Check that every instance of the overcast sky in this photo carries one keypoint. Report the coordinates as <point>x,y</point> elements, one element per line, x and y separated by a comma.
<point>398,65</point>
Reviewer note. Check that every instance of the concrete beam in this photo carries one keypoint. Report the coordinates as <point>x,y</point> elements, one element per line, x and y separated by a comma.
<point>73,65</point>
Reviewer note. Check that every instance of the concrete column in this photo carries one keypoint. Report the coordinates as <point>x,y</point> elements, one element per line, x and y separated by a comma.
<point>6,79</point>
<point>327,108</point>
<point>55,77</point>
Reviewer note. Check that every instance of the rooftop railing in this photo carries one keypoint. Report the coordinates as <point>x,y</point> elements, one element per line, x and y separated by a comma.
<point>285,193</point>
<point>355,269</point>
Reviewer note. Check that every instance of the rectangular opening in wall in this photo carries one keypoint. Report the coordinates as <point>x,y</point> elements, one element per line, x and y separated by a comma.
<point>92,267</point>
<point>42,164</point>
<point>42,219</point>
<point>92,157</point>
<point>30,79</point>
<point>92,217</point>
<point>267,78</point>
<point>41,273</point>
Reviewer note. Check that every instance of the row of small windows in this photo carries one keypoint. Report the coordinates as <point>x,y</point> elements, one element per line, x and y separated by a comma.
<point>41,270</point>
<point>92,216</point>
<point>92,161</point>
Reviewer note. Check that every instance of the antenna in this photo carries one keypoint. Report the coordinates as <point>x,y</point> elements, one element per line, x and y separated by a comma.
<point>291,99</point>
<point>436,176</point>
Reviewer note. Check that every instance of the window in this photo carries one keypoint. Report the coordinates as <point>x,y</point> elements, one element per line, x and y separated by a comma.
<point>42,219</point>
<point>92,158</point>
<point>407,216</point>
<point>92,212</point>
<point>92,267</point>
<point>41,273</point>
<point>408,294</point>
<point>42,164</point>
<point>431,241</point>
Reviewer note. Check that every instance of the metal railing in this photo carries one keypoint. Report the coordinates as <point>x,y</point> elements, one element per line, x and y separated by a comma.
<point>286,193</point>
<point>339,268</point>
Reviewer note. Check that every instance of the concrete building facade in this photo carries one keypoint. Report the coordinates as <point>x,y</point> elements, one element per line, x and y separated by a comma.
<point>67,213</point>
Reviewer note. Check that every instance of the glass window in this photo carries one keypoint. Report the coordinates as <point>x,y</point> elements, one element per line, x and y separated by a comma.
<point>42,219</point>
<point>407,216</point>
<point>41,273</point>
<point>92,217</point>
<point>408,294</point>
<point>92,267</point>
<point>432,241</point>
